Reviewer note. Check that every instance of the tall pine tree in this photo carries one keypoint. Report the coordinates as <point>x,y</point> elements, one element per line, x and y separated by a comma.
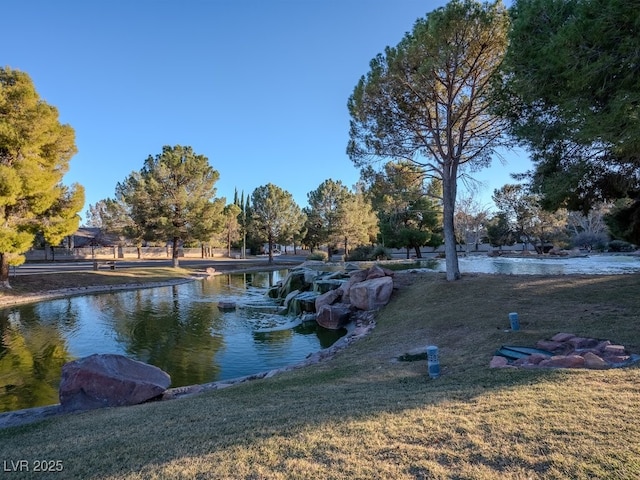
<point>35,150</point>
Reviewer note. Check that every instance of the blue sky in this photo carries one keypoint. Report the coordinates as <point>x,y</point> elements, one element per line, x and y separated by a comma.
<point>259,87</point>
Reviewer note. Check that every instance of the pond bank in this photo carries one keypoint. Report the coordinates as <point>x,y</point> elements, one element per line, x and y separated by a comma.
<point>100,287</point>
<point>28,415</point>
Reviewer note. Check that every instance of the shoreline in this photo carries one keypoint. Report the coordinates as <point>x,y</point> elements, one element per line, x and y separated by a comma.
<point>14,418</point>
<point>46,295</point>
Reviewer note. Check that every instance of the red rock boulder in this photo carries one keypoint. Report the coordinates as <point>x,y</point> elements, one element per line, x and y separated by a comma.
<point>333,317</point>
<point>371,294</point>
<point>328,298</point>
<point>108,380</point>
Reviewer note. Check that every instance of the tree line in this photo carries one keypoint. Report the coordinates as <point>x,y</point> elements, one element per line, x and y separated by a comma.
<point>558,77</point>
<point>172,199</point>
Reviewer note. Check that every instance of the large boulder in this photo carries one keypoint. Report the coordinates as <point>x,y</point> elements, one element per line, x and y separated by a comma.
<point>107,380</point>
<point>375,272</point>
<point>355,277</point>
<point>358,276</point>
<point>324,285</point>
<point>303,302</point>
<point>333,317</point>
<point>295,280</point>
<point>371,294</point>
<point>328,298</point>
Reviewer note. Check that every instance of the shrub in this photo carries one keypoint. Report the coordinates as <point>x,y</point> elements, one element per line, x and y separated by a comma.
<point>360,254</point>
<point>381,253</point>
<point>620,246</point>
<point>595,241</point>
<point>318,255</point>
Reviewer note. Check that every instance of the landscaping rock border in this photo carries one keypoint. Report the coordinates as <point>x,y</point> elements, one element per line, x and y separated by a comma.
<point>568,350</point>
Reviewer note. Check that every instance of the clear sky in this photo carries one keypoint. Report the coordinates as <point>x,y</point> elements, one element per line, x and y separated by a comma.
<point>259,87</point>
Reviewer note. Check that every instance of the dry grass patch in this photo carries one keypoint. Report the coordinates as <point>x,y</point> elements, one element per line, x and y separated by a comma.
<point>38,283</point>
<point>365,415</point>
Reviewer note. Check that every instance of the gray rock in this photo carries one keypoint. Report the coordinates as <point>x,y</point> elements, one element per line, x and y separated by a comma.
<point>304,302</point>
<point>109,380</point>
<point>289,298</point>
<point>323,286</point>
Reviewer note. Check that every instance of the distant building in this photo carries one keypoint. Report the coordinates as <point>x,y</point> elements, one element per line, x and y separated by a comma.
<point>91,237</point>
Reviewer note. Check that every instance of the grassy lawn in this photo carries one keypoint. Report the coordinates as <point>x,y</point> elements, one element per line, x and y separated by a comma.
<point>365,415</point>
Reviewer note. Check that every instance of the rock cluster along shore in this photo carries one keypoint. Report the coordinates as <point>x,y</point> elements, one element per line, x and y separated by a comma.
<point>566,350</point>
<point>331,298</point>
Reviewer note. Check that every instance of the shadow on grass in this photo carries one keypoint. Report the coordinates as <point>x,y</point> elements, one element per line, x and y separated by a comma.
<point>365,384</point>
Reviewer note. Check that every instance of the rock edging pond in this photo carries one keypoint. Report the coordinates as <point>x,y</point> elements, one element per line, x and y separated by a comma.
<point>340,283</point>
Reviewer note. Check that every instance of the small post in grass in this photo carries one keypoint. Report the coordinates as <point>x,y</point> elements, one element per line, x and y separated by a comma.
<point>433,362</point>
<point>513,319</point>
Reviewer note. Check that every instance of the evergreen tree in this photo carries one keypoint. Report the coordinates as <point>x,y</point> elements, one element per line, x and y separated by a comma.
<point>324,217</point>
<point>499,231</point>
<point>172,198</point>
<point>231,227</point>
<point>572,97</point>
<point>274,212</point>
<point>358,221</point>
<point>526,217</point>
<point>428,100</point>
<point>35,150</point>
<point>408,212</point>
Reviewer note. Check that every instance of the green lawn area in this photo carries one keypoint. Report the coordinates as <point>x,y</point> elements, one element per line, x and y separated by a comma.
<point>363,414</point>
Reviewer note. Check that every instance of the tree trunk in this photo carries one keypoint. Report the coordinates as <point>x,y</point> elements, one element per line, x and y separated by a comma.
<point>418,251</point>
<point>270,248</point>
<point>449,203</point>
<point>4,272</point>
<point>174,253</point>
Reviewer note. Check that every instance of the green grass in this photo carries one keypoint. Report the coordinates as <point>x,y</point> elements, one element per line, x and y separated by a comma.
<point>364,414</point>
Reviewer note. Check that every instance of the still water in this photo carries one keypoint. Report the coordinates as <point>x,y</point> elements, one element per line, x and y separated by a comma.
<point>597,264</point>
<point>179,329</point>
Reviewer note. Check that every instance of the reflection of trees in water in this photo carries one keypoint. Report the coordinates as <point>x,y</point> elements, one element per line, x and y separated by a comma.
<point>31,360</point>
<point>274,337</point>
<point>155,326</point>
<point>265,279</point>
<point>178,329</point>
<point>223,285</point>
<point>325,336</point>
<point>62,313</point>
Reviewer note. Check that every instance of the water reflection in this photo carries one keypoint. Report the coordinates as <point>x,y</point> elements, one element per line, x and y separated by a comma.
<point>534,265</point>
<point>179,329</point>
<point>31,357</point>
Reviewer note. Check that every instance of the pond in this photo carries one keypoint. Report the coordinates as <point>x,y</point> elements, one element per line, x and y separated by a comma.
<point>179,329</point>
<point>597,264</point>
